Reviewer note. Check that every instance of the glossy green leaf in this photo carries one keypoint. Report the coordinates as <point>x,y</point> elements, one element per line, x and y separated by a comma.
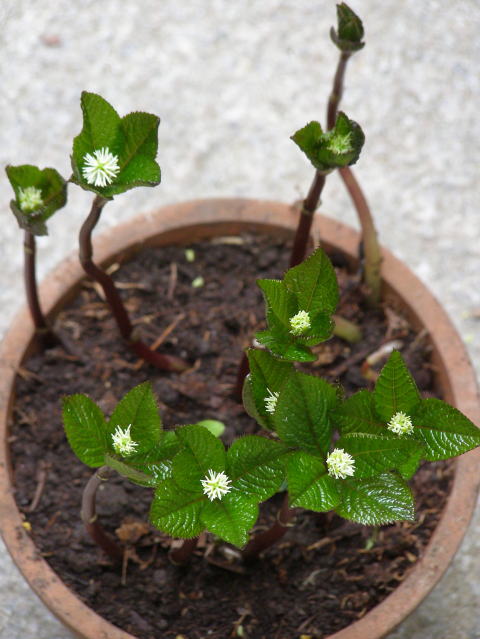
<point>176,511</point>
<point>321,329</point>
<point>314,283</point>
<point>130,472</point>
<point>302,415</point>
<point>281,303</point>
<point>53,195</point>
<point>284,346</point>
<point>86,429</point>
<point>443,429</point>
<point>201,451</point>
<point>138,409</point>
<point>395,389</point>
<point>380,500</point>
<point>157,461</point>
<point>230,518</point>
<point>349,33</point>
<point>267,374</point>
<point>375,455</point>
<point>256,466</point>
<point>309,484</point>
<point>357,415</point>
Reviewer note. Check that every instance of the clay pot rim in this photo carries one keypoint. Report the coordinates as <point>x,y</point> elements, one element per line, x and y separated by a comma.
<point>205,218</point>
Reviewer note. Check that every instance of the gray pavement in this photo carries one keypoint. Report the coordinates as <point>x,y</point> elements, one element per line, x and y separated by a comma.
<point>231,82</point>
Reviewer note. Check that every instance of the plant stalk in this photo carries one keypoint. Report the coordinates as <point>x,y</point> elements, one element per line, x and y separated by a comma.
<point>89,515</point>
<point>163,362</point>
<point>309,207</point>
<point>373,257</point>
<point>42,329</point>
<point>242,372</point>
<point>269,537</point>
<point>180,556</point>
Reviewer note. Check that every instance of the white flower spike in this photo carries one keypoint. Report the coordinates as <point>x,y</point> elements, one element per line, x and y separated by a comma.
<point>30,199</point>
<point>340,464</point>
<point>123,443</point>
<point>299,323</point>
<point>271,401</point>
<point>215,485</point>
<point>400,424</point>
<point>101,168</point>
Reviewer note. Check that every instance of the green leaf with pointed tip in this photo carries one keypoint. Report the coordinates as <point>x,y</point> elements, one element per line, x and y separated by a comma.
<point>86,429</point>
<point>139,410</point>
<point>281,304</point>
<point>357,415</point>
<point>309,484</point>
<point>321,329</point>
<point>302,414</point>
<point>256,466</point>
<point>375,455</point>
<point>336,148</point>
<point>349,33</point>
<point>53,191</point>
<point>230,518</point>
<point>314,283</point>
<point>133,139</point>
<point>201,451</point>
<point>214,426</point>
<point>267,373</point>
<point>395,389</point>
<point>410,467</point>
<point>444,430</point>
<point>380,500</point>
<point>131,473</point>
<point>176,511</point>
<point>284,347</point>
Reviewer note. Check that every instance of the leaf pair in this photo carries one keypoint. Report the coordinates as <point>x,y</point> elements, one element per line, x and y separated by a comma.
<point>255,470</point>
<point>310,289</point>
<point>439,431</point>
<point>132,140</point>
<point>349,33</point>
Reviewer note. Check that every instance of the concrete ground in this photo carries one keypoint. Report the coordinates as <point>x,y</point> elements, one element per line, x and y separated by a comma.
<point>231,82</point>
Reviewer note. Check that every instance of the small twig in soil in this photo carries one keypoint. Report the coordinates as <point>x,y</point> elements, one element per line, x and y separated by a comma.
<point>172,283</point>
<point>42,475</point>
<point>162,337</point>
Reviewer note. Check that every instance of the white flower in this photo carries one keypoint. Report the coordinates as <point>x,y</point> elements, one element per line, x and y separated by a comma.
<point>340,143</point>
<point>215,485</point>
<point>299,323</point>
<point>100,168</point>
<point>400,424</point>
<point>30,198</point>
<point>271,401</point>
<point>340,464</point>
<point>123,442</point>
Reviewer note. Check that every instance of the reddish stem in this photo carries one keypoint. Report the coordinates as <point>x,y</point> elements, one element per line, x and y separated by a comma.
<point>163,362</point>
<point>89,515</point>
<point>180,556</point>
<point>269,537</point>
<point>309,207</point>
<point>243,371</point>
<point>42,329</point>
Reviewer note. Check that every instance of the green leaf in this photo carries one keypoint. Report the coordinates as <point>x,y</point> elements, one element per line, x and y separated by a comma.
<point>314,283</point>
<point>281,304</point>
<point>357,415</point>
<point>444,430</point>
<point>176,511</point>
<point>138,408</point>
<point>336,148</point>
<point>157,461</point>
<point>267,373</point>
<point>214,426</point>
<point>230,518</point>
<point>302,413</point>
<point>395,389</point>
<point>128,471</point>
<point>201,451</point>
<point>349,34</point>
<point>256,466</point>
<point>321,329</point>
<point>374,454</point>
<point>284,347</point>
<point>376,501</point>
<point>53,194</point>
<point>133,139</point>
<point>309,484</point>
<point>86,429</point>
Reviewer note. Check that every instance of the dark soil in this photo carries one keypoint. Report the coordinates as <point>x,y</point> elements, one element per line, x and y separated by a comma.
<point>324,574</point>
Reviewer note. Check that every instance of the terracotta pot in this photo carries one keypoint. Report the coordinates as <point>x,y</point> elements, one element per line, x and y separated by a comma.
<point>190,222</point>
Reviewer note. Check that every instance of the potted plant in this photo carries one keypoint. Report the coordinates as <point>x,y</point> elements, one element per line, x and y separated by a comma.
<point>384,432</point>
